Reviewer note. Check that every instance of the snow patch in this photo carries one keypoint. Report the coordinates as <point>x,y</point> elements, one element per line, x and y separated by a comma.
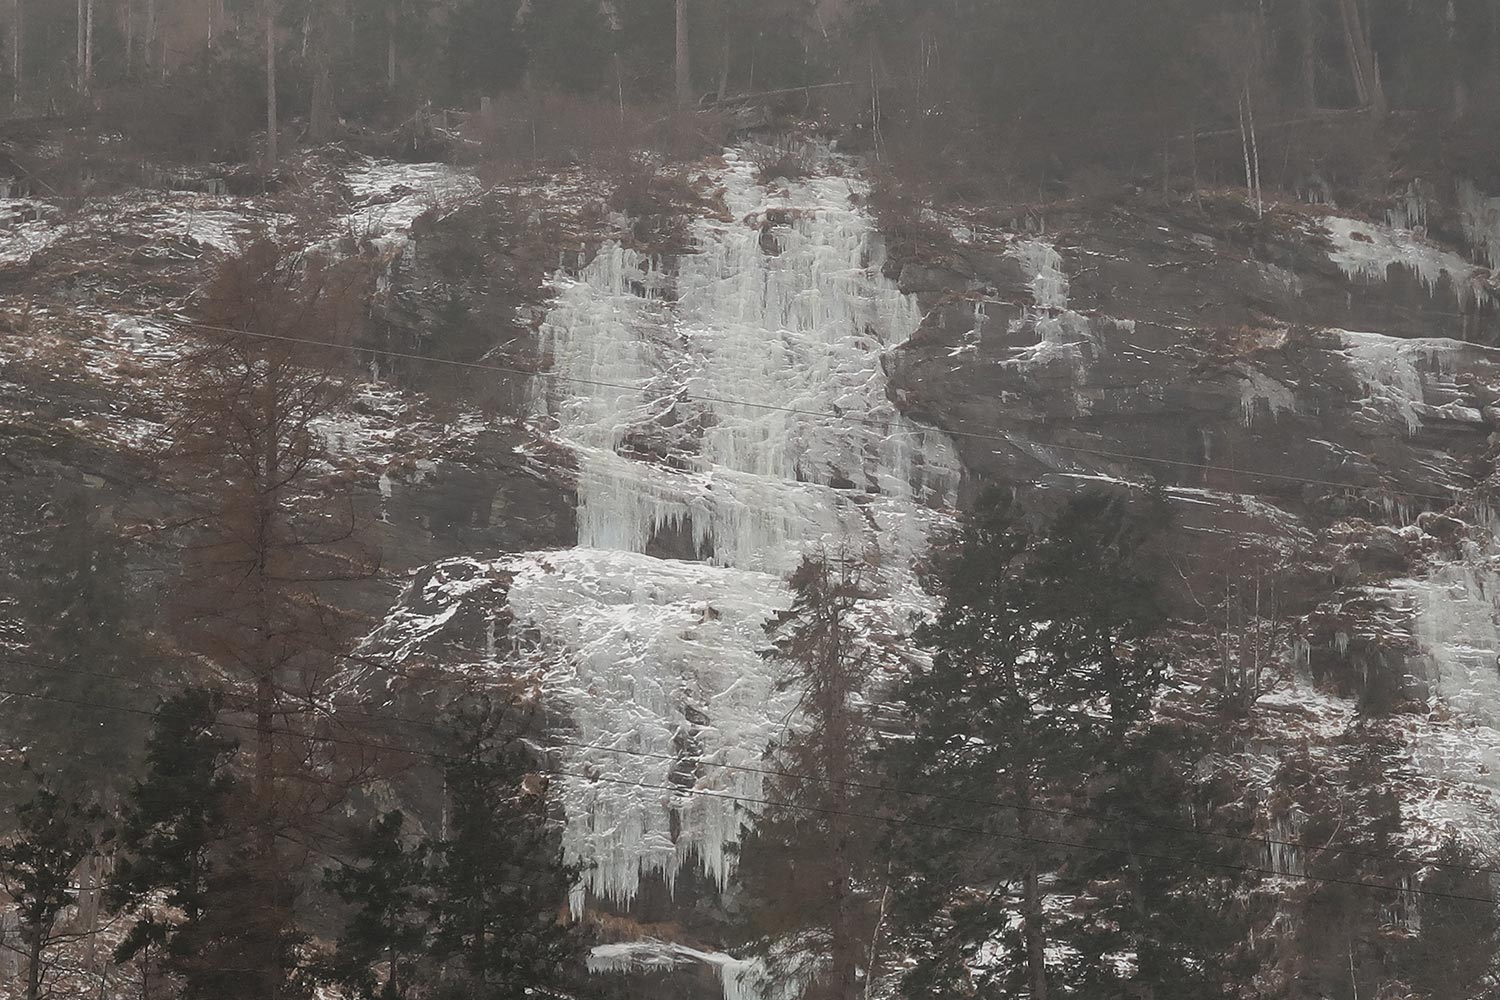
<point>388,197</point>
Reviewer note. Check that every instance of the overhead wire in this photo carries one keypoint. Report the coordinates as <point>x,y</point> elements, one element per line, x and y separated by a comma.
<point>548,739</point>
<point>822,415</point>
<point>335,712</point>
<point>849,418</point>
<point>556,376</point>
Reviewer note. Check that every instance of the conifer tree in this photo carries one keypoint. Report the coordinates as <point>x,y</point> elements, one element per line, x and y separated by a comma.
<point>1165,884</point>
<point>1043,658</point>
<point>806,866</point>
<point>174,823</point>
<point>383,883</point>
<point>498,877</point>
<point>56,833</point>
<point>1453,952</point>
<point>84,724</point>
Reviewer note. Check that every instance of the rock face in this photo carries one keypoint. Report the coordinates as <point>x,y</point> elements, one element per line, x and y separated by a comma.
<point>727,412</point>
<point>1315,395</point>
<point>600,489</point>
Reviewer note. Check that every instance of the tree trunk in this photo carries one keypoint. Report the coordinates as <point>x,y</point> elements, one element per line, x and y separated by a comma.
<point>88,48</point>
<point>844,946</point>
<point>320,116</point>
<point>320,121</point>
<point>725,62</point>
<point>148,43</point>
<point>1308,30</point>
<point>272,152</point>
<point>129,16</point>
<point>34,963</point>
<point>266,483</point>
<point>1363,66</point>
<point>17,34</point>
<point>78,48</point>
<point>390,45</point>
<point>684,68</point>
<point>1033,926</point>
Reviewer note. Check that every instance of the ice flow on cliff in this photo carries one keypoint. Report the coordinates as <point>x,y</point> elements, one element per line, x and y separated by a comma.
<point>728,409</point>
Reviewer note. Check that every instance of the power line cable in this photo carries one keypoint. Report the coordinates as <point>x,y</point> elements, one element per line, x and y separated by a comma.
<point>848,418</point>
<point>821,415</point>
<point>771,803</point>
<point>334,711</point>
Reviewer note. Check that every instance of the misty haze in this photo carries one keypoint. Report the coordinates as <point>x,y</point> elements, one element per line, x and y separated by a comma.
<point>749,500</point>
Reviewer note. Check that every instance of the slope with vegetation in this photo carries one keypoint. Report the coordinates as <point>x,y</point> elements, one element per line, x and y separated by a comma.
<point>835,499</point>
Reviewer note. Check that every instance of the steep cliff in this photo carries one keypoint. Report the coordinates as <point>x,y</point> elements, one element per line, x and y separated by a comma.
<point>591,455</point>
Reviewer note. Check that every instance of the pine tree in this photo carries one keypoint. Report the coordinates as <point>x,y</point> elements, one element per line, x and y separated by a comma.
<point>383,883</point>
<point>1162,887</point>
<point>806,867</point>
<point>174,822</point>
<point>81,620</point>
<point>1043,657</point>
<point>1453,950</point>
<point>55,835</point>
<point>498,878</point>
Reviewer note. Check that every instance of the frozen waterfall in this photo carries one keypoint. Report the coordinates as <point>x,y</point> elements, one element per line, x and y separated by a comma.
<point>729,408</point>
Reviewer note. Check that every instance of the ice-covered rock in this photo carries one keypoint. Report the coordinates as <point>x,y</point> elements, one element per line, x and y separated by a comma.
<point>730,408</point>
<point>1366,252</point>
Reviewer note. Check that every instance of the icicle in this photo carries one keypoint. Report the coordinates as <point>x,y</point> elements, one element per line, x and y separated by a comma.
<point>732,408</point>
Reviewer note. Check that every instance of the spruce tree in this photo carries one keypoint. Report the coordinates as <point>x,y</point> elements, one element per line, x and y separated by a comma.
<point>383,884</point>
<point>1045,654</point>
<point>55,834</point>
<point>806,866</point>
<point>174,821</point>
<point>499,881</point>
<point>1164,884</point>
<point>1452,952</point>
<point>86,654</point>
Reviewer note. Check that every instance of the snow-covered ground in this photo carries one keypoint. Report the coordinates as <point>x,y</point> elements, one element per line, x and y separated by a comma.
<point>388,197</point>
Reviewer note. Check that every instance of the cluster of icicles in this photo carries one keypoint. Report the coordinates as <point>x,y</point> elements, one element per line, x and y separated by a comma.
<point>727,408</point>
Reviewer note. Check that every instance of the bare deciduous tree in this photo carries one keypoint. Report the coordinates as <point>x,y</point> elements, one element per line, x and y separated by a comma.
<point>276,527</point>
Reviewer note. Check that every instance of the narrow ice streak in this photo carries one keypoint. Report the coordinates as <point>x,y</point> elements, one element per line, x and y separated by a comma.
<point>1258,391</point>
<point>1063,335</point>
<point>1479,214</point>
<point>741,979</point>
<point>728,406</point>
<point>1456,634</point>
<point>1365,251</point>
